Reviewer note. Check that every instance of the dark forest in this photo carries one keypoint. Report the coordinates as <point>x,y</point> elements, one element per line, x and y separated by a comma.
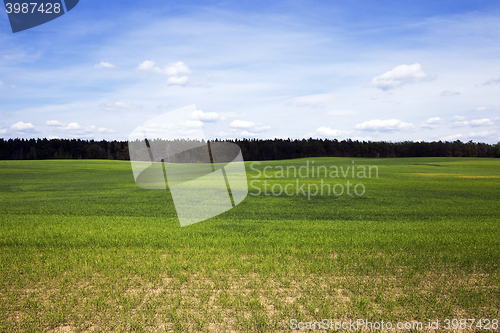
<point>252,149</point>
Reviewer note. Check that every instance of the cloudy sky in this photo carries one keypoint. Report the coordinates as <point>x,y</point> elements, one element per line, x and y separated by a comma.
<point>361,69</point>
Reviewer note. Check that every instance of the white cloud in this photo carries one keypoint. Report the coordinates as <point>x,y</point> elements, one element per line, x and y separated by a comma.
<point>121,105</point>
<point>54,123</point>
<point>104,64</point>
<point>21,126</point>
<point>105,130</point>
<point>491,82</point>
<point>179,81</point>
<point>383,125</point>
<point>246,133</point>
<point>149,66</point>
<point>177,72</point>
<point>75,129</point>
<point>1,83</point>
<point>13,86</point>
<point>249,127</point>
<point>460,121</point>
<point>449,93</point>
<point>399,76</point>
<point>432,122</point>
<point>205,116</point>
<point>72,126</point>
<point>481,122</point>
<point>241,124</point>
<point>327,131</point>
<point>481,108</point>
<point>177,69</point>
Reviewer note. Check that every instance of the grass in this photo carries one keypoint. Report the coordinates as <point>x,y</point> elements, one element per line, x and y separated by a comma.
<point>83,248</point>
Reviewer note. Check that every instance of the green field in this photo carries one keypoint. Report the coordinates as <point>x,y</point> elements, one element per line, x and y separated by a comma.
<point>83,248</point>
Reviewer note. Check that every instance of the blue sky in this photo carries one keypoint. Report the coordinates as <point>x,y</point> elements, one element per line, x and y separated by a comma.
<point>366,70</point>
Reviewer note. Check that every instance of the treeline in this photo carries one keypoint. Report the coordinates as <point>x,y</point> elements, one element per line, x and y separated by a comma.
<point>277,149</point>
<point>44,149</point>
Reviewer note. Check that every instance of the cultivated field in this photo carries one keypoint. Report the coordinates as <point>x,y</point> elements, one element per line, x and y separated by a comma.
<point>83,248</point>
